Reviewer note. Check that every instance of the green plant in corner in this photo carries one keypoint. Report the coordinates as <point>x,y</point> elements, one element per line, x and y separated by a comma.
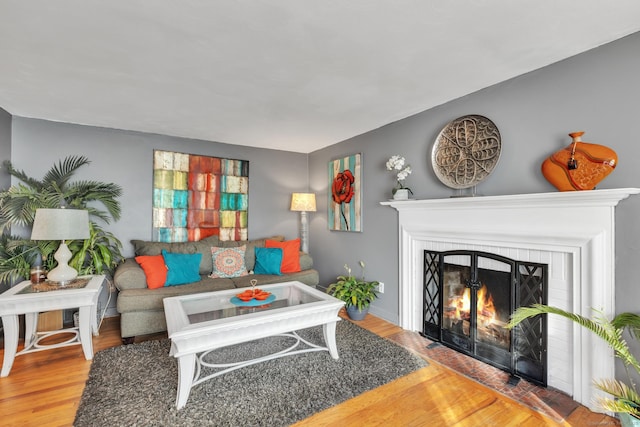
<point>625,398</point>
<point>17,255</point>
<point>100,253</point>
<point>354,292</point>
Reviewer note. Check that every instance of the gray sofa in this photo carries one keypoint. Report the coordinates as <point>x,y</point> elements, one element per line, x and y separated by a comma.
<point>141,309</point>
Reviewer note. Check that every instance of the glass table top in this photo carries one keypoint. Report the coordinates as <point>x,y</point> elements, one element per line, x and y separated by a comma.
<point>218,305</point>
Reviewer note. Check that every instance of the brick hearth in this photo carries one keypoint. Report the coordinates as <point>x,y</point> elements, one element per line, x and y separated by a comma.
<point>553,403</point>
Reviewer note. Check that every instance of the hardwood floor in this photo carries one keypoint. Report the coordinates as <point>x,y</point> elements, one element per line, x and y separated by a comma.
<point>44,389</point>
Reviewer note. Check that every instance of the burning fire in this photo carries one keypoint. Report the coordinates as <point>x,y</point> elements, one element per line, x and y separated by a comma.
<point>486,312</point>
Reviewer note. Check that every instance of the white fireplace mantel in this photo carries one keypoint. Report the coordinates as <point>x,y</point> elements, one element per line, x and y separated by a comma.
<point>578,225</point>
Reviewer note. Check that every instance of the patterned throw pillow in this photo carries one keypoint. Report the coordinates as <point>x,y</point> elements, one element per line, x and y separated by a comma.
<point>228,262</point>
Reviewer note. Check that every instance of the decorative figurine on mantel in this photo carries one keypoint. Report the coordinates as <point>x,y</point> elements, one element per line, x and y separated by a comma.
<point>466,152</point>
<point>402,169</point>
<point>580,165</point>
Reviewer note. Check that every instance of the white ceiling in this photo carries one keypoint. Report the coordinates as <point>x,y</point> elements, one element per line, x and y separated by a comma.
<point>294,75</point>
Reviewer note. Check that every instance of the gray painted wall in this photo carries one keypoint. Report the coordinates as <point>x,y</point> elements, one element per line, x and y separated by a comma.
<point>5,154</point>
<point>126,158</point>
<point>5,146</point>
<point>597,92</point>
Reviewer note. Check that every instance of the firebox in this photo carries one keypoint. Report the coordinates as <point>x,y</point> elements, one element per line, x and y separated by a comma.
<point>468,299</point>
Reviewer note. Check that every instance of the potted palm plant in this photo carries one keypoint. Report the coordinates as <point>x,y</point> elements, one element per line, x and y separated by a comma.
<point>99,254</point>
<point>625,399</point>
<point>357,294</point>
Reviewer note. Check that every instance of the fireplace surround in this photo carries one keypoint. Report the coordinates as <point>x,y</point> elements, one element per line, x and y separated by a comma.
<point>572,232</point>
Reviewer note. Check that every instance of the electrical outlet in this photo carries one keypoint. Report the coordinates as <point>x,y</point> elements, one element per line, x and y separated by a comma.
<point>381,287</point>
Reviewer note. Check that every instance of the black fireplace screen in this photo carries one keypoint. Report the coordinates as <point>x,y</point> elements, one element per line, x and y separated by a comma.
<point>468,299</point>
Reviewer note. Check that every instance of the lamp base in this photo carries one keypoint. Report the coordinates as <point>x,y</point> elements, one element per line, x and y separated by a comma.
<point>63,273</point>
<point>304,232</point>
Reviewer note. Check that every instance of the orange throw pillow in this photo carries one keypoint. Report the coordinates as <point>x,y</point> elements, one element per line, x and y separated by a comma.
<point>290,254</point>
<point>155,270</point>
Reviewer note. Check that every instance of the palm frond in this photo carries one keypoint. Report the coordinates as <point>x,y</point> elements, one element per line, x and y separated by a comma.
<point>63,171</point>
<point>80,193</point>
<point>629,321</point>
<point>22,176</point>
<point>18,204</point>
<point>16,257</point>
<point>625,398</point>
<point>619,390</point>
<point>601,327</point>
<point>612,405</point>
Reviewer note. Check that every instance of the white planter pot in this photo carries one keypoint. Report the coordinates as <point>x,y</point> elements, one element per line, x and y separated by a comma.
<point>401,194</point>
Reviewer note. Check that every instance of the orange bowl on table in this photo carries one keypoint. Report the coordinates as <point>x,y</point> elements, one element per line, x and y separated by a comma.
<point>262,296</point>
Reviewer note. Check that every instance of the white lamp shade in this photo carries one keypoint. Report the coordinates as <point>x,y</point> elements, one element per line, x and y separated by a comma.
<point>303,202</point>
<point>60,224</point>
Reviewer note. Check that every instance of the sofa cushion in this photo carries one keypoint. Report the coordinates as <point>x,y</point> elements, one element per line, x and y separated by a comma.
<point>268,261</point>
<point>249,256</point>
<point>155,270</point>
<point>228,262</point>
<point>204,247</point>
<point>143,247</point>
<point>306,262</point>
<point>181,268</point>
<point>131,300</point>
<point>129,275</point>
<point>290,254</point>
<point>308,277</point>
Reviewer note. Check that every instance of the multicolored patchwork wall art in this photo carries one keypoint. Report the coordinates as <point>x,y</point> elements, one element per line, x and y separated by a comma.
<point>345,195</point>
<point>199,196</point>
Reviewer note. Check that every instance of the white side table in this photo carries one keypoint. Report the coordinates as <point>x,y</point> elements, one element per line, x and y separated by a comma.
<point>18,300</point>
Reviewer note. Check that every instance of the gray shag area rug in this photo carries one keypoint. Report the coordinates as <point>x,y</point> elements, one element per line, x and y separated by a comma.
<point>135,385</point>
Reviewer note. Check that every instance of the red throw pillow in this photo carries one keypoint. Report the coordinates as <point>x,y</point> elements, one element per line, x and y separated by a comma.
<point>290,254</point>
<point>155,270</point>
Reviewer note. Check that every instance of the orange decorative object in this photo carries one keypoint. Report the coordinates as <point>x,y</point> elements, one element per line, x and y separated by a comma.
<point>580,166</point>
<point>250,294</point>
<point>262,296</point>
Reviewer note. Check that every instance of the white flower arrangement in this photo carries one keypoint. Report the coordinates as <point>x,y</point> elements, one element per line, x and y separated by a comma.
<point>399,165</point>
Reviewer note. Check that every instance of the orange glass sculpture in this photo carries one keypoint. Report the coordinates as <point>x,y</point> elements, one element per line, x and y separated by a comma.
<point>580,166</point>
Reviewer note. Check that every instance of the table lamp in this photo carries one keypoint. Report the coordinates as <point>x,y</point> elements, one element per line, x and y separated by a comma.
<point>303,203</point>
<point>61,224</point>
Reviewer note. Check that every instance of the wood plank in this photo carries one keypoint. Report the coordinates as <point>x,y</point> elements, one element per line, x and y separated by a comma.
<point>44,388</point>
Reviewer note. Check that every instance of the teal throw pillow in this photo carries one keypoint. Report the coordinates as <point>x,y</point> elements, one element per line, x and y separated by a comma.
<point>181,268</point>
<point>268,261</point>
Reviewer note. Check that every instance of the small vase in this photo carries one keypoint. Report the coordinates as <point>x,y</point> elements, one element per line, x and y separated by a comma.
<point>579,166</point>
<point>401,194</point>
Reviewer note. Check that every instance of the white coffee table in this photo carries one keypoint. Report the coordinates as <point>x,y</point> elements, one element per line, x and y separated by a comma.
<point>19,300</point>
<point>200,323</point>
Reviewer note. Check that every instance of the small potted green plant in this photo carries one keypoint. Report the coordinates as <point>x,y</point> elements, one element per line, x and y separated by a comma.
<point>625,399</point>
<point>357,294</point>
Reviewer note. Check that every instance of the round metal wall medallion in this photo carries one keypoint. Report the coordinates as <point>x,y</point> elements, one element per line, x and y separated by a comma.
<point>466,151</point>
